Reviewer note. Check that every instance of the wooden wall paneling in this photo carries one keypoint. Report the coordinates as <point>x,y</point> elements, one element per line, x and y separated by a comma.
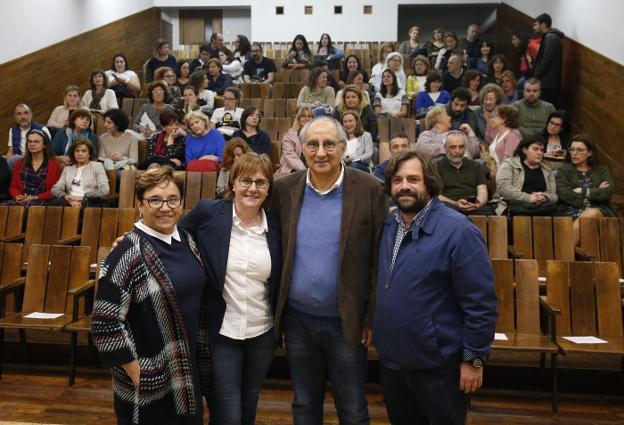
<point>71,62</point>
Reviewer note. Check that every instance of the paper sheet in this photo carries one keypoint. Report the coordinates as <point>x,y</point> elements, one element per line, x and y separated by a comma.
<point>37,315</point>
<point>585,339</point>
<point>500,337</point>
<point>146,122</point>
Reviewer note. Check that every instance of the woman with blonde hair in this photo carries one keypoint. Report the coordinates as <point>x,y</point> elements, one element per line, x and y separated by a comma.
<point>234,149</point>
<point>292,159</point>
<point>384,50</point>
<point>60,115</point>
<point>412,46</point>
<point>352,98</point>
<point>360,146</point>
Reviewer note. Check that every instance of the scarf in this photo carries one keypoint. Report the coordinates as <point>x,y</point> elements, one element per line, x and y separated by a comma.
<point>97,98</point>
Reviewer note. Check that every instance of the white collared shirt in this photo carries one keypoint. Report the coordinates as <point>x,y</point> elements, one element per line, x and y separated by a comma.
<point>246,290</point>
<point>336,184</point>
<point>163,237</point>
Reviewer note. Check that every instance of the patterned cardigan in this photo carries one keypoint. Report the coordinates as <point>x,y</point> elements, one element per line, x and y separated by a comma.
<point>136,317</point>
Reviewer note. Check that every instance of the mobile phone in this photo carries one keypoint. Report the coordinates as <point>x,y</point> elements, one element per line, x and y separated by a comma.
<point>472,199</point>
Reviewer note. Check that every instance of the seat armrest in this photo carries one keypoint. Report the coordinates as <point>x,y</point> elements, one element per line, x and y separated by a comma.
<point>513,252</point>
<point>15,238</point>
<point>69,241</point>
<point>551,309</point>
<point>582,255</point>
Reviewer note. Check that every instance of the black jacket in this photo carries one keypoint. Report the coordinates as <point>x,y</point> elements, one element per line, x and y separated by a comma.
<point>547,65</point>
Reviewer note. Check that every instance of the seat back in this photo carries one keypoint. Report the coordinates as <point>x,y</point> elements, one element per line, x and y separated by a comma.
<point>126,189</point>
<point>494,231</point>
<point>11,221</point>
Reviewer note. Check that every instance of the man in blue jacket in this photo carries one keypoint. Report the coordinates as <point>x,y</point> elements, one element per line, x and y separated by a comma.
<point>435,312</point>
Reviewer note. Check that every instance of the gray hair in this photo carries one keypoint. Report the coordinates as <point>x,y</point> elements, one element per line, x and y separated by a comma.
<point>455,133</point>
<point>533,82</point>
<point>23,105</point>
<point>342,134</point>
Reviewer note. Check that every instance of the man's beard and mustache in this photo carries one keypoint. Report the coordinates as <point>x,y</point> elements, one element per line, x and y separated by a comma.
<point>414,204</point>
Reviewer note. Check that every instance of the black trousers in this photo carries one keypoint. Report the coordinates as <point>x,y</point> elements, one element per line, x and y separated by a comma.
<point>424,397</point>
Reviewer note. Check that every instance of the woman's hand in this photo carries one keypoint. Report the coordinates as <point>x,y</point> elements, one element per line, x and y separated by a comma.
<point>603,184</point>
<point>176,161</point>
<point>134,371</point>
<point>210,157</point>
<point>537,198</point>
<point>115,156</point>
<point>467,129</point>
<point>577,190</point>
<point>348,160</point>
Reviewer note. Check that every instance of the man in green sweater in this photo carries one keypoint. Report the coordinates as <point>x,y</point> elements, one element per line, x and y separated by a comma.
<point>533,111</point>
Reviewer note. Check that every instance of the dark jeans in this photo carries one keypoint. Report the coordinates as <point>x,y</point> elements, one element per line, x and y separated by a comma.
<point>316,349</point>
<point>239,368</point>
<point>423,397</point>
<point>545,209</point>
<point>360,166</point>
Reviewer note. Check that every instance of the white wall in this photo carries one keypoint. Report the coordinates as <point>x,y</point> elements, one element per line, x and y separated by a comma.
<point>29,25</point>
<point>236,21</point>
<point>597,24</point>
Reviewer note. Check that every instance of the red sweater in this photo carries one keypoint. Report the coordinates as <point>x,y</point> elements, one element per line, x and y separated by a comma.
<point>17,185</point>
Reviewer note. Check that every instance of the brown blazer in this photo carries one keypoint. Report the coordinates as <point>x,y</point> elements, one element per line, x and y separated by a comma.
<point>364,208</point>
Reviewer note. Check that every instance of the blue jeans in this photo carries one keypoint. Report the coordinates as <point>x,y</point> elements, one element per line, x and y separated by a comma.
<point>423,397</point>
<point>316,349</point>
<point>239,368</point>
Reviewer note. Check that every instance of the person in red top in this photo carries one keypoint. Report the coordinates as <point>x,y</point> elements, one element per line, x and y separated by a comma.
<point>35,174</point>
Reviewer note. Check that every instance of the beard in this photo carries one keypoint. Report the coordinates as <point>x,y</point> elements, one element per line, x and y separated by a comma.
<point>455,160</point>
<point>414,205</point>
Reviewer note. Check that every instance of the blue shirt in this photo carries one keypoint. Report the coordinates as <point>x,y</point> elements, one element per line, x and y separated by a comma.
<point>439,299</point>
<point>212,143</point>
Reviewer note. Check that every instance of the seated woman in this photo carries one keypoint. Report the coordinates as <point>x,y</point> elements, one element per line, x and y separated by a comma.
<point>60,115</point>
<point>412,46</point>
<point>79,126</point>
<point>390,101</point>
<point>498,65</point>
<point>250,131</point>
<point>147,120</point>
<point>520,41</point>
<point>327,53</point>
<point>227,119</point>
<point>299,54</point>
<point>83,181</point>
<point>509,84</point>
<point>472,81</point>
<point>199,81</point>
<point>292,159</point>
<point>556,135</point>
<point>204,146</point>
<point>218,81</point>
<point>450,44</point>
<point>482,62</point>
<point>438,124</point>
<point>525,185</point>
<point>34,175</point>
<point>119,149</point>
<point>122,80</point>
<point>168,146</point>
<point>355,78</point>
<point>360,146</point>
<point>183,72</point>
<point>134,328</point>
<point>354,99</point>
<point>584,186</point>
<point>394,62</point>
<point>317,94</point>
<point>435,45</point>
<point>242,49</point>
<point>167,75</point>
<point>190,102</point>
<point>99,97</point>
<point>384,50</point>
<point>416,81</point>
<point>233,150</point>
<point>490,97</point>
<point>244,275</point>
<point>231,66</point>
<point>505,121</point>
<point>432,96</point>
<point>350,64</point>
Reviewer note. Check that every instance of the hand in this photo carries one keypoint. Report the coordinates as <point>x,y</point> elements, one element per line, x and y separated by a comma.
<point>467,129</point>
<point>603,184</point>
<point>577,190</point>
<point>464,205</point>
<point>210,157</point>
<point>118,240</point>
<point>367,337</point>
<point>134,371</point>
<point>537,198</point>
<point>176,161</point>
<point>20,198</point>
<point>347,160</point>
<point>115,156</point>
<point>470,378</point>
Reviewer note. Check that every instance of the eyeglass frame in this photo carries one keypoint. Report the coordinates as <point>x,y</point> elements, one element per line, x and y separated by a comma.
<point>261,183</point>
<point>318,145</point>
<point>161,202</point>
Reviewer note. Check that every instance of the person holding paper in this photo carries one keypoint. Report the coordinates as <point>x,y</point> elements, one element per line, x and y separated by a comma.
<point>150,319</point>
<point>147,120</point>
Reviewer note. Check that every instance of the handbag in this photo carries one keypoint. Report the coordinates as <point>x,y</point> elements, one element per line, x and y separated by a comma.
<point>202,165</point>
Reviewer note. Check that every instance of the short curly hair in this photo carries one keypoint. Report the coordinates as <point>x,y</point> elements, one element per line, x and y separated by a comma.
<point>509,114</point>
<point>80,141</point>
<point>491,88</point>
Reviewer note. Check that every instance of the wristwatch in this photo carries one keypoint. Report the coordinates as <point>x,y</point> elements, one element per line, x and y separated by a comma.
<point>477,362</point>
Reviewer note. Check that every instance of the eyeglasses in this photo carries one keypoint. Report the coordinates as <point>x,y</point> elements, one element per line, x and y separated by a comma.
<point>248,181</point>
<point>328,146</point>
<point>172,203</point>
<point>577,150</point>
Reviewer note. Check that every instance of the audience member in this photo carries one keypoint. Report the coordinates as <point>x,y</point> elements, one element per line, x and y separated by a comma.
<point>390,101</point>
<point>459,111</point>
<point>359,149</point>
<point>472,82</point>
<point>394,62</point>
<point>122,80</point>
<point>242,49</point>
<point>416,82</point>
<point>191,102</point>
<point>231,65</point>
<point>351,64</point>
<point>166,147</point>
<point>438,123</point>
<point>398,142</point>
<point>452,284</point>
<point>384,50</point>
<point>199,80</point>
<point>325,302</point>
<point>412,46</point>
<point>119,149</point>
<point>183,72</point>
<point>259,69</point>
<point>203,146</point>
<point>533,111</point>
<point>168,76</point>
<point>83,181</point>
<point>99,97</point>
<point>549,60</point>
<point>556,134</point>
<point>292,158</point>
<point>5,179</point>
<point>435,45</point>
<point>79,127</point>
<point>327,53</point>
<point>452,76</point>
<point>218,81</point>
<point>490,97</point>
<point>147,120</point>
<point>234,149</point>
<point>299,54</point>
<point>507,137</point>
<point>357,79</point>
<point>450,44</point>
<point>227,119</point>
<point>207,52</point>
<point>316,94</point>
<point>584,185</point>
<point>497,65</point>
<point>17,134</point>
<point>509,84</point>
<point>250,132</point>
<point>354,99</point>
<point>464,187</point>
<point>520,41</point>
<point>482,60</point>
<point>432,96</point>
<point>60,115</point>
<point>525,184</point>
<point>471,43</point>
<point>160,58</point>
<point>34,175</point>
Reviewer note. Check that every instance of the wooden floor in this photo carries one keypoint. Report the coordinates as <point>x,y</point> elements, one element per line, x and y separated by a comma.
<point>41,395</point>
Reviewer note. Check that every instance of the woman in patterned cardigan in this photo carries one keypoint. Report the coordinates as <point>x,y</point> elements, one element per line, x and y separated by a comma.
<point>149,319</point>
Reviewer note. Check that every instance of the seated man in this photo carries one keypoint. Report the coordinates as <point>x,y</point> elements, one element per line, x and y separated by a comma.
<point>533,111</point>
<point>438,122</point>
<point>398,143</point>
<point>17,134</point>
<point>459,111</point>
<point>464,186</point>
<point>259,69</point>
<point>207,52</point>
<point>452,76</point>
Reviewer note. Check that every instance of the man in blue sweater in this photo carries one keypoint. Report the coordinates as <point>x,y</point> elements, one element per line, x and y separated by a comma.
<point>435,312</point>
<point>331,218</point>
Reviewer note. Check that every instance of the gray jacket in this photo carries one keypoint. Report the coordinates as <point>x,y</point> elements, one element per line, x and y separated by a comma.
<point>94,181</point>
